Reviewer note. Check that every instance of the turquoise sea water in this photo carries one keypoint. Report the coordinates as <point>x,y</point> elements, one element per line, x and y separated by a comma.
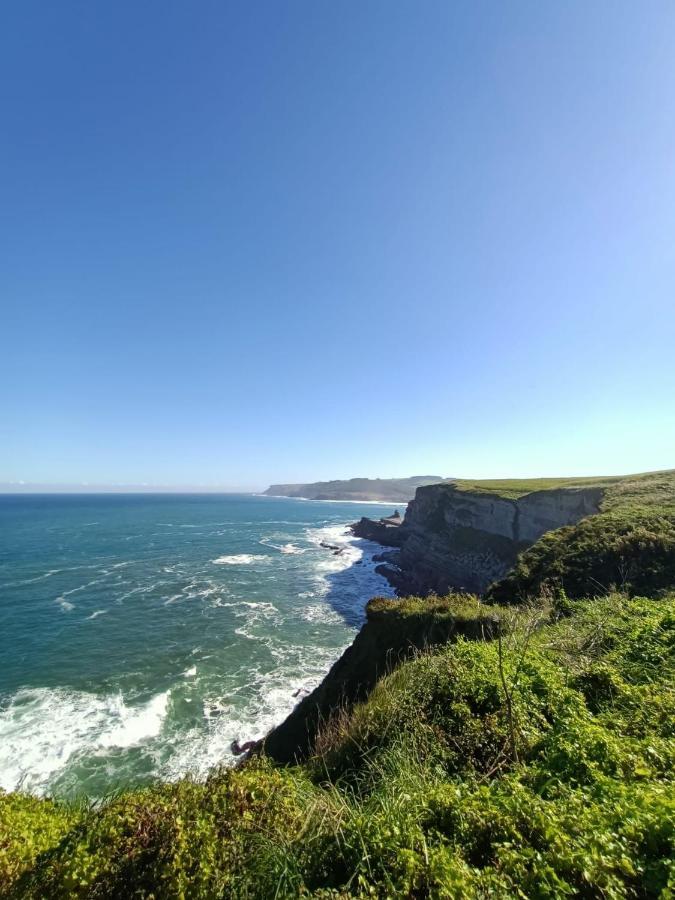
<point>141,634</point>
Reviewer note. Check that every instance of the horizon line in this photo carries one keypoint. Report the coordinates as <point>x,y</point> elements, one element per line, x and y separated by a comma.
<point>10,488</point>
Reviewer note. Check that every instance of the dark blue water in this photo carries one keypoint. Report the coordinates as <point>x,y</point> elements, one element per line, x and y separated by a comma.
<point>141,634</point>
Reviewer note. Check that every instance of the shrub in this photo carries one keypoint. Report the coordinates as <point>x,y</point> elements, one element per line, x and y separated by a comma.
<point>603,552</point>
<point>29,827</point>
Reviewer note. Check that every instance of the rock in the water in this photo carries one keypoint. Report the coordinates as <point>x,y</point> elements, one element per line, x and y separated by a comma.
<point>238,748</point>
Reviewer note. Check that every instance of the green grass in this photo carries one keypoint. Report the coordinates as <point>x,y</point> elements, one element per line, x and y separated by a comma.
<point>435,786</point>
<point>461,608</point>
<point>649,494</point>
<point>515,488</point>
<point>648,488</point>
<point>629,544</point>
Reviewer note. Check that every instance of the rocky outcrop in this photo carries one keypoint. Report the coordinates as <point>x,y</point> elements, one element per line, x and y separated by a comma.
<point>385,531</point>
<point>456,539</point>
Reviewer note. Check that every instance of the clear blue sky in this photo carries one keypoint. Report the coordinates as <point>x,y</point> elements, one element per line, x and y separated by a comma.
<point>255,241</point>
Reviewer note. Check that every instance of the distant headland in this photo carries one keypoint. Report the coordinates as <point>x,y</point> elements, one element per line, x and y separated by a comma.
<point>389,490</point>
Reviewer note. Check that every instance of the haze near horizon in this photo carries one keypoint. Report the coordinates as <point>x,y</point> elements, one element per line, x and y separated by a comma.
<point>263,243</point>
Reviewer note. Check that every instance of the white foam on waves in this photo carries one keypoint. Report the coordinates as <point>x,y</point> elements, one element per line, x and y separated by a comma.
<point>43,730</point>
<point>349,550</point>
<point>275,695</point>
<point>239,559</point>
<point>292,549</point>
<point>25,581</point>
<point>67,605</point>
<point>320,613</point>
<point>347,562</point>
<point>288,548</point>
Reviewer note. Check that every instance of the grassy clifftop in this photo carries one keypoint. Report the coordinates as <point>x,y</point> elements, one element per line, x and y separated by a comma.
<point>629,544</point>
<point>465,535</point>
<point>515,488</point>
<point>645,489</point>
<point>537,766</point>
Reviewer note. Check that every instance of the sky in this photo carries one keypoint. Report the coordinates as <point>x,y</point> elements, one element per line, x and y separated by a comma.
<point>245,242</point>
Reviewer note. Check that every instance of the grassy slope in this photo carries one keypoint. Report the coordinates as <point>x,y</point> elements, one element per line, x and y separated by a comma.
<point>423,790</point>
<point>629,544</point>
<point>393,631</point>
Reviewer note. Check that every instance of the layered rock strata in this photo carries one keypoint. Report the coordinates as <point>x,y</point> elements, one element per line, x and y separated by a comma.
<point>455,539</point>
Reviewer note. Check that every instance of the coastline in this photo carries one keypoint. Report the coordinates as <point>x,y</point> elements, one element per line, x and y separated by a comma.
<point>286,617</point>
<point>332,500</point>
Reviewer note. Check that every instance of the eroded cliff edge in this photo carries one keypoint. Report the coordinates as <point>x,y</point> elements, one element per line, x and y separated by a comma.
<point>394,630</point>
<point>453,538</point>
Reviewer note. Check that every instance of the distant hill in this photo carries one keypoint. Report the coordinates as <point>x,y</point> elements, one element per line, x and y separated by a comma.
<point>396,490</point>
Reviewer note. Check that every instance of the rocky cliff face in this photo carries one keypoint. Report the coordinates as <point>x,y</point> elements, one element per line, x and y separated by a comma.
<point>454,539</point>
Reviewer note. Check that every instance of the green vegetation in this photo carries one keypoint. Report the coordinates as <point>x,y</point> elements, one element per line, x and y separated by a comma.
<point>649,489</point>
<point>460,609</point>
<point>515,488</point>
<point>539,764</point>
<point>29,827</point>
<point>630,544</point>
<point>394,631</point>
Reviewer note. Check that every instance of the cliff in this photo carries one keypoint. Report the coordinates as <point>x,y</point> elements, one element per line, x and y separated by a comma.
<point>464,537</point>
<point>394,490</point>
<point>394,631</point>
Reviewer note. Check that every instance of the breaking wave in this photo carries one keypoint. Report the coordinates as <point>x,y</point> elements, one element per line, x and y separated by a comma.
<point>44,729</point>
<point>239,559</point>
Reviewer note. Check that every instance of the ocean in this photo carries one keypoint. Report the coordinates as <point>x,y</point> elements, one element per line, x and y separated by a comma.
<point>140,635</point>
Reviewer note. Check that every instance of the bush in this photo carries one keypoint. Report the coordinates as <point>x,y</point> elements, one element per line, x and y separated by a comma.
<point>601,553</point>
<point>29,827</point>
